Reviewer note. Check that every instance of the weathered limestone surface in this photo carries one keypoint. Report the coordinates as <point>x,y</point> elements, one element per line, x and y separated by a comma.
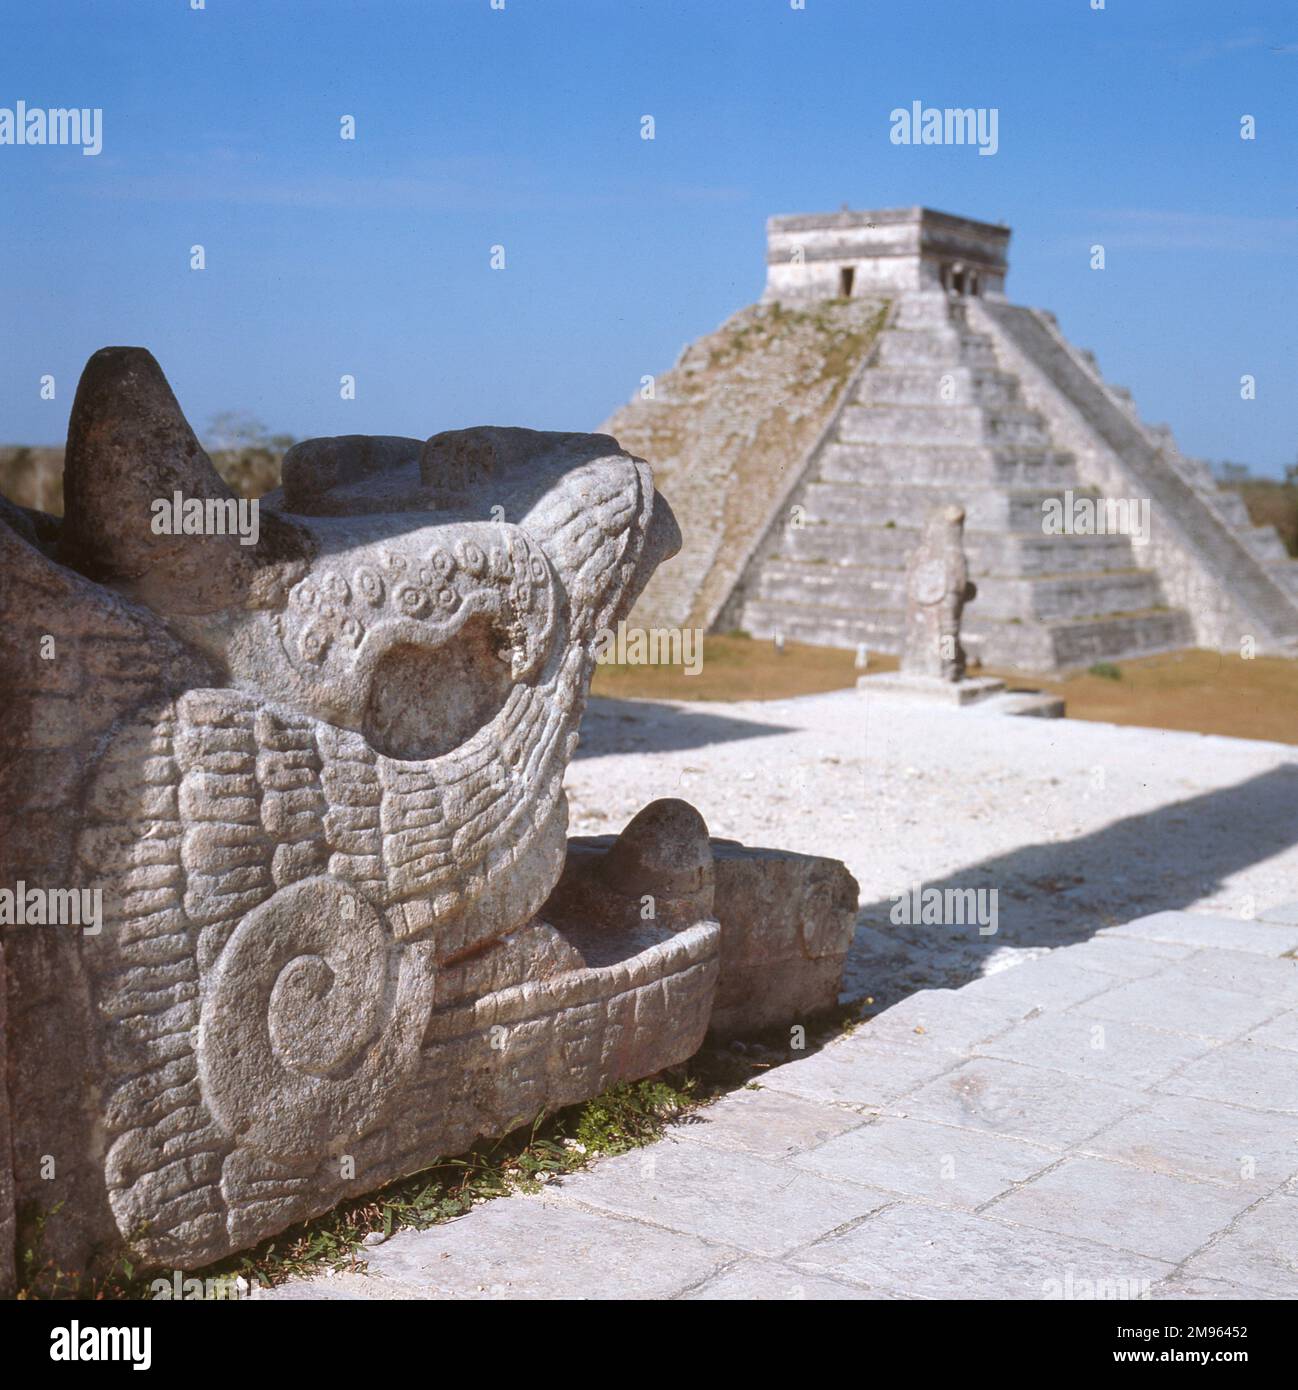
<point>786,919</point>
<point>317,782</point>
<point>786,925</point>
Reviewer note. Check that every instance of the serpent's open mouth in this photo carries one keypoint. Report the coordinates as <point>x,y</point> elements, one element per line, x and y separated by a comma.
<point>426,701</point>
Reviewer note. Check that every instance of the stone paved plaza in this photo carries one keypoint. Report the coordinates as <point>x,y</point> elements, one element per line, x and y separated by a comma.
<point>1089,1102</point>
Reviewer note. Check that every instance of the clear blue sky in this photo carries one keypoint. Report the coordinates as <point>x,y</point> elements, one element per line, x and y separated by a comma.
<point>522,127</point>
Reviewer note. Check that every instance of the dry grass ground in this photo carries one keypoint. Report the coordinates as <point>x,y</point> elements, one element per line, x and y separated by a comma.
<point>737,668</point>
<point>1197,691</point>
<point>1201,692</point>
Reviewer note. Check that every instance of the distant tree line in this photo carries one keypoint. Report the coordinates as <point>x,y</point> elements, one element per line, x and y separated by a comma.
<point>245,453</point>
<point>242,449</point>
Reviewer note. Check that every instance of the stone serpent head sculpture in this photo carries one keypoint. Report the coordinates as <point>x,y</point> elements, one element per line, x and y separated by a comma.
<point>318,781</point>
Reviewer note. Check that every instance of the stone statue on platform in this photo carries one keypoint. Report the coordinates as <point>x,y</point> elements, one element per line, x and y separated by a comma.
<point>937,589</point>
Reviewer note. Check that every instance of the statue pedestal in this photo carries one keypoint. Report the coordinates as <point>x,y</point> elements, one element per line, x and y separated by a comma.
<point>908,685</point>
<point>963,692</point>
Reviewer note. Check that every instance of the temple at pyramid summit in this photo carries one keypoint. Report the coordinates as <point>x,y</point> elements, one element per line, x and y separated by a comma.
<point>885,373</point>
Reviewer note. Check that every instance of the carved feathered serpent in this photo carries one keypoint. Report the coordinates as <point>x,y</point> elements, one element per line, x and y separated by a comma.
<point>319,781</point>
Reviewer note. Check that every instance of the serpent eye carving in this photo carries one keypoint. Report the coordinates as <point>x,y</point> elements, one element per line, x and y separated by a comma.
<point>431,657</point>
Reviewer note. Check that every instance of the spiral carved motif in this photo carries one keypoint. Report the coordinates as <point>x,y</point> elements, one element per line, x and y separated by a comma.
<point>312,1021</point>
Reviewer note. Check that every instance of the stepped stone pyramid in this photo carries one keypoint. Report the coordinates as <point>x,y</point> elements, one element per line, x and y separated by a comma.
<point>803,445</point>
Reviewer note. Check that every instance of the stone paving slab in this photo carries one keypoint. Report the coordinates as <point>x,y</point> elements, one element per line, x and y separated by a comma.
<point>732,1199</point>
<point>532,1247</point>
<point>1272,981</point>
<point>1021,1102</point>
<point>1247,1073</point>
<point>1151,1214</point>
<point>1115,955</point>
<point>1112,1051</point>
<point>858,1073</point>
<point>1281,1031</point>
<point>955,1167</point>
<point>766,1123</point>
<point>1246,1149</point>
<point>1049,982</point>
<point>916,1251</point>
<point>1182,1286</point>
<point>1178,1005</point>
<point>1117,1118</point>
<point>950,1021</point>
<point>1265,937</point>
<point>1260,1249</point>
<point>768,1280</point>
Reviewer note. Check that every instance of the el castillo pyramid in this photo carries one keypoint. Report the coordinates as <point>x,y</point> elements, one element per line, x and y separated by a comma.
<point>884,373</point>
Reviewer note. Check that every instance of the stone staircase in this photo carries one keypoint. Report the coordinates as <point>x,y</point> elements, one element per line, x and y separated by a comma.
<point>1235,578</point>
<point>933,418</point>
<point>729,429</point>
